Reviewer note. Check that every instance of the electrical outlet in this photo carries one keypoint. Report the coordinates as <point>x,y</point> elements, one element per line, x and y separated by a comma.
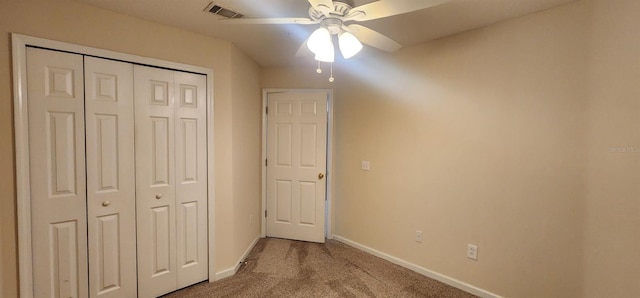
<point>418,236</point>
<point>366,166</point>
<point>472,252</point>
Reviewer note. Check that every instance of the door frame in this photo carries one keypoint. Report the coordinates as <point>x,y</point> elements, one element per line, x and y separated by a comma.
<point>23,193</point>
<point>328,208</point>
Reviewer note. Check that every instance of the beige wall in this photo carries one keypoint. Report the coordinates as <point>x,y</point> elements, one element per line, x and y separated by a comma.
<point>295,78</point>
<point>473,139</point>
<point>498,137</point>
<point>612,222</point>
<point>77,23</point>
<point>246,151</point>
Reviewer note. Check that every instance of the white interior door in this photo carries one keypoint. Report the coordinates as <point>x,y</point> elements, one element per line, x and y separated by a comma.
<point>296,165</point>
<point>191,177</point>
<point>171,179</point>
<point>155,181</point>
<point>111,197</point>
<point>57,166</point>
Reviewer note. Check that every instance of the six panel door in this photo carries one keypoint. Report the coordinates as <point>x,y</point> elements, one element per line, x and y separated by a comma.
<point>155,181</point>
<point>111,181</point>
<point>296,155</point>
<point>191,178</point>
<point>57,168</point>
<point>171,179</point>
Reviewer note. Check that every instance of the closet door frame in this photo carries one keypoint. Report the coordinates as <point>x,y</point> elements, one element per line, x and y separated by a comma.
<point>21,122</point>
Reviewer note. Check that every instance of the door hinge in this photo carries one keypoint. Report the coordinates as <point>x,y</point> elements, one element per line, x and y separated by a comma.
<point>266,162</point>
<point>266,110</point>
<point>265,213</point>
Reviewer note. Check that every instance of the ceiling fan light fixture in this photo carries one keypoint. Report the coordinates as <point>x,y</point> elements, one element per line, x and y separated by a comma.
<point>349,45</point>
<point>319,40</point>
<point>326,54</point>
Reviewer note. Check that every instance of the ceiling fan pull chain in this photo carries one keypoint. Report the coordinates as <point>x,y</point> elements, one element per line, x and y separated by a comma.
<point>319,70</point>
<point>331,79</point>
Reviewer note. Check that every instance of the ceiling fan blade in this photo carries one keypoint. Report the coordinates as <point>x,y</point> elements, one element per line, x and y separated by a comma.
<point>386,8</point>
<point>270,21</point>
<point>374,38</point>
<point>326,6</point>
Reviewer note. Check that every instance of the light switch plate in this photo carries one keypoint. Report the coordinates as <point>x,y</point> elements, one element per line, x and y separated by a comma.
<point>472,252</point>
<point>366,166</point>
<point>418,236</point>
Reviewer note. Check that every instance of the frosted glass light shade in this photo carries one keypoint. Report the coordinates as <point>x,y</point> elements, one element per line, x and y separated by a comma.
<point>349,45</point>
<point>327,53</point>
<point>319,40</point>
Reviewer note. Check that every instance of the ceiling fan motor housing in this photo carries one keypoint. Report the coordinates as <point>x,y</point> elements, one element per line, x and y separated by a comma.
<point>340,9</point>
<point>334,25</point>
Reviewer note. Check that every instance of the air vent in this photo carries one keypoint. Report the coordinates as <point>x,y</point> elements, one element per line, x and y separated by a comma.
<point>221,11</point>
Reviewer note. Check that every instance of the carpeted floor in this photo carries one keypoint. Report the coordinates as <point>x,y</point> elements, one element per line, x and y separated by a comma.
<point>286,268</point>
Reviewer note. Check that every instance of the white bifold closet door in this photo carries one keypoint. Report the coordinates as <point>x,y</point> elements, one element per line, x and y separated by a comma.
<point>118,177</point>
<point>55,93</point>
<point>171,179</point>
<point>83,215</point>
<point>111,199</point>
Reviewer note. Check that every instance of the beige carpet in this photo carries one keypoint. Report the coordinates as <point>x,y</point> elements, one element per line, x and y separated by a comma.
<point>285,268</point>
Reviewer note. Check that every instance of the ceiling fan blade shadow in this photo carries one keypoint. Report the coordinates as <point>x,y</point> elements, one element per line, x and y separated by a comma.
<point>374,38</point>
<point>326,6</point>
<point>269,21</point>
<point>386,8</point>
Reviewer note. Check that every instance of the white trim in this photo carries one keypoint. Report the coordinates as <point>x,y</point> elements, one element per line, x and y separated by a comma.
<point>263,176</point>
<point>211,189</point>
<point>227,272</point>
<point>424,271</point>
<point>23,189</point>
<point>329,175</point>
<point>233,270</point>
<point>21,122</point>
<point>69,47</point>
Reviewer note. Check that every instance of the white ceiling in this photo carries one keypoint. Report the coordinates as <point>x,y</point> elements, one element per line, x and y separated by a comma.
<point>276,45</point>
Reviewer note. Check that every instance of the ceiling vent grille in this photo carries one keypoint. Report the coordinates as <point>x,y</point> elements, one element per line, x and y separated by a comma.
<point>221,11</point>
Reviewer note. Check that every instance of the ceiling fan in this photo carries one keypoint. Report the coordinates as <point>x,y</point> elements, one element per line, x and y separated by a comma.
<point>340,17</point>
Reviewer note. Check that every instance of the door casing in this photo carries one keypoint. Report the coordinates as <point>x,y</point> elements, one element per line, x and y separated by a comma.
<point>328,175</point>
<point>21,122</point>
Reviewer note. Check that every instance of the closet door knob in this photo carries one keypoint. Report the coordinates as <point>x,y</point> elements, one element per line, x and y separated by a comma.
<point>106,203</point>
<point>159,196</point>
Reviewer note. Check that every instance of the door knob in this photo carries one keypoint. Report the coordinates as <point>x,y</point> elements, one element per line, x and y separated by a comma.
<point>320,176</point>
<point>106,203</point>
<point>159,196</point>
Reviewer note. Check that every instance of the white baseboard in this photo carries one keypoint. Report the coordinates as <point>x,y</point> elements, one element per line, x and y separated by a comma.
<point>424,271</point>
<point>231,271</point>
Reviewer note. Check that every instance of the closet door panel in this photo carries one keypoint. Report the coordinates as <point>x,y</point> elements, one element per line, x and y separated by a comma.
<point>191,175</point>
<point>110,178</point>
<point>57,171</point>
<point>155,181</point>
